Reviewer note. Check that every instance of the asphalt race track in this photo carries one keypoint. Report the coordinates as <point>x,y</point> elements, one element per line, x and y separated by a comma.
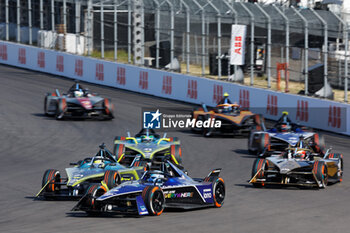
<point>30,143</point>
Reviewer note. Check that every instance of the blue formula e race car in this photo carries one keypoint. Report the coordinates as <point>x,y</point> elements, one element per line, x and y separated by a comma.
<point>163,185</point>
<point>282,135</point>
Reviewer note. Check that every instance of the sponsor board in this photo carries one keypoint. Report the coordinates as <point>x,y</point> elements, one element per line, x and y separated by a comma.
<point>312,112</point>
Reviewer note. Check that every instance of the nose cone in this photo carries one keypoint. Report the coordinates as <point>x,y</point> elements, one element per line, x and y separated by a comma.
<point>86,103</point>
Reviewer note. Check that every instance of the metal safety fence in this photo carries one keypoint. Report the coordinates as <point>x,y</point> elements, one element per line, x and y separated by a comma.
<point>308,46</point>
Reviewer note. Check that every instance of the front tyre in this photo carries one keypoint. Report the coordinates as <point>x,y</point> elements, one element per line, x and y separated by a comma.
<point>320,171</point>
<point>93,192</point>
<point>219,192</point>
<point>45,106</point>
<point>108,109</point>
<point>154,200</point>
<point>50,177</point>
<point>258,171</point>
<point>61,108</point>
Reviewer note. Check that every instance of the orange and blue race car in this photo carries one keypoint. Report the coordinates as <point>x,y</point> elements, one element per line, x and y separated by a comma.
<point>234,120</point>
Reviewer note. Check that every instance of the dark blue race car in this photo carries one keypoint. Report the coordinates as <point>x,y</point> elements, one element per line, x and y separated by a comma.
<point>282,135</point>
<point>163,185</point>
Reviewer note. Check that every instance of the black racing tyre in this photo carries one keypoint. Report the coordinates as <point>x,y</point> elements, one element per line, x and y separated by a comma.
<point>175,150</point>
<point>94,191</point>
<point>61,107</point>
<point>318,143</point>
<point>260,165</point>
<point>112,179</point>
<point>251,152</point>
<point>258,121</point>
<point>154,200</point>
<point>51,175</point>
<point>320,171</point>
<point>45,105</point>
<point>119,150</point>
<point>340,164</point>
<point>108,108</point>
<point>219,192</point>
<point>264,143</point>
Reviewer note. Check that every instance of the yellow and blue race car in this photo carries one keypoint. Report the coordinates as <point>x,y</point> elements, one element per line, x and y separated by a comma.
<point>102,169</point>
<point>149,145</point>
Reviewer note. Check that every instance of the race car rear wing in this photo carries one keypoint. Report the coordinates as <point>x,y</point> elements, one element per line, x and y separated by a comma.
<point>213,175</point>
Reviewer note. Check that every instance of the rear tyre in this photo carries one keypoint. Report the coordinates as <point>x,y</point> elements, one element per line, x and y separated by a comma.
<point>108,109</point>
<point>318,143</point>
<point>259,165</point>
<point>175,151</point>
<point>219,192</point>
<point>320,171</point>
<point>112,179</point>
<point>340,164</point>
<point>264,143</point>
<point>250,142</point>
<point>51,175</point>
<point>119,150</point>
<point>154,200</point>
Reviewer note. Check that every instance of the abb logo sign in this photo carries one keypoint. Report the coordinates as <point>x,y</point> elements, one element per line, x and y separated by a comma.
<point>238,44</point>
<point>3,52</point>
<point>121,76</point>
<point>22,56</point>
<point>271,107</point>
<point>244,99</point>
<point>41,59</point>
<point>217,93</point>
<point>78,67</point>
<point>143,81</point>
<point>303,110</point>
<point>99,72</point>
<point>192,89</point>
<point>59,63</point>
<point>167,85</point>
<point>334,116</point>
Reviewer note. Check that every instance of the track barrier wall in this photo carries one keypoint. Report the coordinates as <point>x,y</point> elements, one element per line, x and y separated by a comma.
<point>316,113</point>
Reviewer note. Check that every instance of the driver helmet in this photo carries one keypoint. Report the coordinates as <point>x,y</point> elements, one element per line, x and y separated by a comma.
<point>98,162</point>
<point>79,93</point>
<point>285,128</point>
<point>145,138</point>
<point>300,154</point>
<point>154,177</point>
